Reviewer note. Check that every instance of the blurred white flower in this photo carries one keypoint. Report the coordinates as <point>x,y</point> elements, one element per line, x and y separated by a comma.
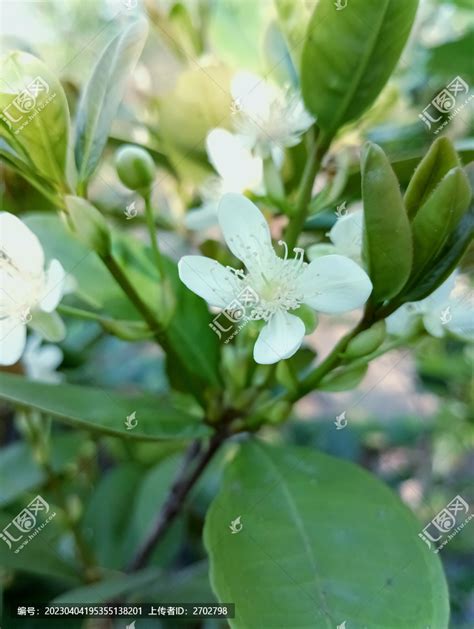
<point>25,285</point>
<point>41,361</point>
<point>448,309</point>
<point>268,118</point>
<point>330,284</point>
<point>238,171</point>
<point>346,237</point>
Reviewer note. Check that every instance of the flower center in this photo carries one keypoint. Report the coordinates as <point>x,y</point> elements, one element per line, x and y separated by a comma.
<point>276,283</point>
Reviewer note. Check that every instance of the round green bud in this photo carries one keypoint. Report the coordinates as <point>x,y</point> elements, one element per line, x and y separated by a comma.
<point>135,167</point>
<point>367,341</point>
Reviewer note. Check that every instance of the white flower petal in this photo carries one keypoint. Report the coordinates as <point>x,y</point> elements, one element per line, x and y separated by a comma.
<point>346,234</point>
<point>54,289</point>
<point>20,244</point>
<point>441,295</point>
<point>253,94</point>
<point>334,284</point>
<point>462,321</point>
<point>433,324</point>
<point>239,170</point>
<point>400,322</point>
<point>245,229</point>
<point>279,339</point>
<point>209,279</point>
<point>12,340</point>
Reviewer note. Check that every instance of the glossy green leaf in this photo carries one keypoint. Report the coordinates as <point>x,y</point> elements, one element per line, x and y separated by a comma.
<point>36,113</point>
<point>387,237</point>
<point>343,379</point>
<point>104,411</point>
<point>322,542</point>
<point>436,164</point>
<point>437,218</point>
<point>349,55</point>
<point>447,260</point>
<point>102,96</point>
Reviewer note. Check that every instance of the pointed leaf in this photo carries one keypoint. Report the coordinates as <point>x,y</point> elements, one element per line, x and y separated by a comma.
<point>318,538</point>
<point>102,96</point>
<point>438,161</point>
<point>388,240</point>
<point>349,55</point>
<point>436,220</point>
<point>104,411</point>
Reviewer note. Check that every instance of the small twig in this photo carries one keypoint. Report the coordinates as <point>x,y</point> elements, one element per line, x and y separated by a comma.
<point>178,492</point>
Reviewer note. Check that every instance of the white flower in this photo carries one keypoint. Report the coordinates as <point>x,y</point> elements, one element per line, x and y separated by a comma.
<point>447,309</point>
<point>267,117</point>
<point>41,361</point>
<point>331,284</point>
<point>25,285</point>
<point>346,237</point>
<point>238,171</point>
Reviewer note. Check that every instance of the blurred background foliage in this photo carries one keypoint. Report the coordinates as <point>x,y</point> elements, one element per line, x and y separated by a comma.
<point>105,490</point>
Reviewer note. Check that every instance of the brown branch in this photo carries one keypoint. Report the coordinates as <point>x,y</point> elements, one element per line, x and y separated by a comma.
<point>180,489</point>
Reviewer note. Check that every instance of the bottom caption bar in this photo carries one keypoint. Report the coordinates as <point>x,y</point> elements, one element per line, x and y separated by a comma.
<point>146,610</point>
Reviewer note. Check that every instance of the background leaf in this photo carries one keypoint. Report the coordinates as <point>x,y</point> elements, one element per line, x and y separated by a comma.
<point>102,96</point>
<point>349,55</point>
<point>320,538</point>
<point>99,410</point>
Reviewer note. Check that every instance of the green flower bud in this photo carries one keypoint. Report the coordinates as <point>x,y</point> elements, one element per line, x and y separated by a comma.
<point>88,225</point>
<point>135,167</point>
<point>367,341</point>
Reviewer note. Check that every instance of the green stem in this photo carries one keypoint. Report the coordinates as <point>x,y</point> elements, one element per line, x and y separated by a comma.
<point>150,221</point>
<point>312,167</point>
<point>128,288</point>
<point>78,313</point>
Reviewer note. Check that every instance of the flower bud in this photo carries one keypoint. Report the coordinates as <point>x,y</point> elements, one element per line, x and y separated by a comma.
<point>367,341</point>
<point>135,167</point>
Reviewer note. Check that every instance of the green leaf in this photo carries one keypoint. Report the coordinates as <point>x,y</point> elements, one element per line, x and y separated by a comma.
<point>34,105</point>
<point>343,379</point>
<point>453,58</point>
<point>447,260</point>
<point>103,411</point>
<point>388,240</point>
<point>437,218</point>
<point>349,55</point>
<point>320,538</point>
<point>102,96</point>
<point>436,164</point>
